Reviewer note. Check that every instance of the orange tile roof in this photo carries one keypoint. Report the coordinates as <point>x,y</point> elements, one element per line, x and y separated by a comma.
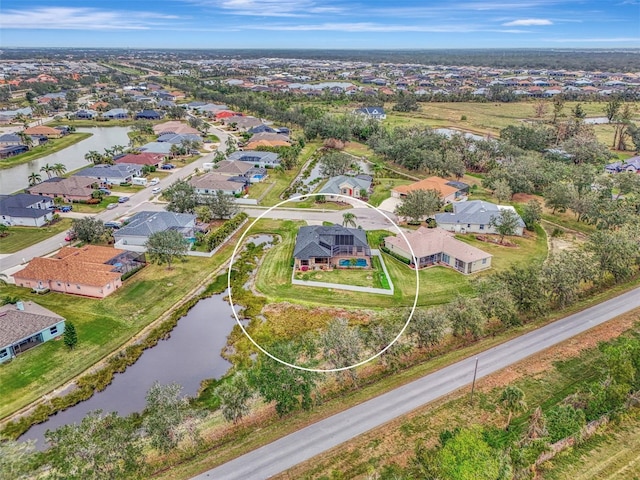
<point>84,266</point>
<point>42,130</point>
<point>431,183</point>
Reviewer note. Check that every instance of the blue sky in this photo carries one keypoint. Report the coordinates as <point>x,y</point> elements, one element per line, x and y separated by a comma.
<point>342,24</point>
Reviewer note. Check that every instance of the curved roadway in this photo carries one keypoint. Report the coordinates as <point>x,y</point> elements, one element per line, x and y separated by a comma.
<point>304,444</point>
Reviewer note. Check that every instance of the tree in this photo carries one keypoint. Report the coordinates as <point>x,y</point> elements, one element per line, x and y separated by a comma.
<point>428,327</point>
<point>495,301</point>
<point>512,398</point>
<point>203,213</point>
<point>342,346</point>
<point>334,164</point>
<point>234,397</point>
<point>94,156</point>
<point>585,148</point>
<point>418,204</point>
<point>467,456</point>
<point>16,458</point>
<point>59,168</point>
<point>615,252</point>
<point>100,447</point>
<point>34,179</point>
<point>564,273</point>
<point>182,197</point>
<point>168,417</point>
<point>290,388</point>
<point>502,191</point>
<point>526,288</point>
<point>70,336</point>
<point>221,205</point>
<point>465,317</point>
<point>564,421</point>
<point>531,214</point>
<point>166,246</point>
<point>88,229</point>
<point>26,139</point>
<point>505,223</point>
<point>349,218</point>
<point>557,196</point>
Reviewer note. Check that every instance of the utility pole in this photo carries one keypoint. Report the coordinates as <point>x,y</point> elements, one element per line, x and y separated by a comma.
<point>473,384</point>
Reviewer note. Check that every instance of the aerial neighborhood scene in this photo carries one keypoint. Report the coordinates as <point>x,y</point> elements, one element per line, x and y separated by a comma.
<point>320,240</point>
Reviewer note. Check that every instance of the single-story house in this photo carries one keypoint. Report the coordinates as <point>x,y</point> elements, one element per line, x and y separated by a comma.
<point>112,174</point>
<point>240,169</point>
<point>26,325</point>
<point>10,139</point>
<point>43,130</point>
<point>262,128</point>
<point>319,247</point>
<point>371,112</point>
<point>162,148</point>
<point>210,183</point>
<point>435,246</point>
<point>178,138</point>
<point>242,122</point>
<point>271,137</point>
<point>71,189</point>
<point>25,210</point>
<point>346,185</point>
<point>449,190</point>
<point>86,114</point>
<point>116,114</point>
<point>91,271</point>
<point>474,217</point>
<point>148,115</point>
<point>12,150</point>
<point>174,126</point>
<point>7,116</point>
<point>257,158</point>
<point>142,158</point>
<point>629,165</point>
<point>143,224</point>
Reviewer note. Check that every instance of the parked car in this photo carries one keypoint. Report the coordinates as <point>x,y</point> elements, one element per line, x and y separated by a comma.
<point>154,181</point>
<point>111,206</point>
<point>113,224</point>
<point>106,191</point>
<point>71,235</point>
<point>156,190</point>
<point>66,208</point>
<point>168,166</point>
<point>123,199</point>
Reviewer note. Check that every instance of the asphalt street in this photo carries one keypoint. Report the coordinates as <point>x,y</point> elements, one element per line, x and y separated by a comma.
<point>326,434</point>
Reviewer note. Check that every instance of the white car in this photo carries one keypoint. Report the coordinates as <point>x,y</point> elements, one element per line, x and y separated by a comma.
<point>156,190</point>
<point>154,181</point>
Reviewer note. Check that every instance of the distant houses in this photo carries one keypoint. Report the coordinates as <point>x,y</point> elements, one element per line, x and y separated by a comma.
<point>376,113</point>
<point>26,325</point>
<point>629,165</point>
<point>474,217</point>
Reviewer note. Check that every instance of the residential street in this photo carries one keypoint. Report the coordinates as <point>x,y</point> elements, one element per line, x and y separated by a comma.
<point>304,444</point>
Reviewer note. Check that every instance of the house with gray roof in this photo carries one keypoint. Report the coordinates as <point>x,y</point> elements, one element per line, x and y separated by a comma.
<point>629,165</point>
<point>163,148</point>
<point>116,114</point>
<point>474,217</point>
<point>376,113</point>
<point>25,210</point>
<point>178,138</point>
<point>112,174</point>
<point>143,224</point>
<point>257,158</point>
<point>356,187</point>
<point>324,247</point>
<point>26,325</point>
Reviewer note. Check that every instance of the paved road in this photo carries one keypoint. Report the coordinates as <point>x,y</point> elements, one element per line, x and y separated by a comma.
<point>138,201</point>
<point>304,444</point>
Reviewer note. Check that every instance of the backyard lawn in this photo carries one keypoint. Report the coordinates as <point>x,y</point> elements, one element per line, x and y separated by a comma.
<point>23,237</point>
<point>348,276</point>
<point>48,148</point>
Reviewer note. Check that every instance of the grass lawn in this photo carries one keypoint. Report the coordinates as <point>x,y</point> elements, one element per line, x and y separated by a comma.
<point>23,237</point>
<point>438,285</point>
<point>356,276</point>
<point>382,189</point>
<point>258,189</point>
<point>129,189</point>
<point>95,208</point>
<point>52,146</point>
<point>102,326</point>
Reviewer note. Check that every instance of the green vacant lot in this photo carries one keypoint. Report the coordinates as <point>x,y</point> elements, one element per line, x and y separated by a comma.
<point>437,284</point>
<point>23,237</point>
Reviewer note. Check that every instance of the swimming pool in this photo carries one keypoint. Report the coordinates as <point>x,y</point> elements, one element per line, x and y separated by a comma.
<point>345,262</point>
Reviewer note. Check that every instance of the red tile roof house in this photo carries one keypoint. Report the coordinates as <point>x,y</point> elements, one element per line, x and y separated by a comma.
<point>435,246</point>
<point>90,271</point>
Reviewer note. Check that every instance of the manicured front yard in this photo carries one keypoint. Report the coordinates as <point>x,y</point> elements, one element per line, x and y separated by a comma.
<point>23,237</point>
<point>95,208</point>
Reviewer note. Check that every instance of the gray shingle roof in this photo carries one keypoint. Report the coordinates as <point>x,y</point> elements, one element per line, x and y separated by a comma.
<point>309,238</point>
<point>254,156</point>
<point>17,324</point>
<point>21,205</point>
<point>143,224</point>
<point>333,184</point>
<point>119,170</point>
<point>472,212</point>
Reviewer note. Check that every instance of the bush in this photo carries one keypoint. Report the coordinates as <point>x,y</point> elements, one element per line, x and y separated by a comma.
<point>395,255</point>
<point>215,238</point>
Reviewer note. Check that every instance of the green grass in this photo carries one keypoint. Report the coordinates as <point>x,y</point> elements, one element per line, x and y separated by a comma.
<point>258,189</point>
<point>356,276</point>
<point>131,188</point>
<point>52,146</point>
<point>95,208</point>
<point>23,237</point>
<point>382,189</point>
<point>102,326</point>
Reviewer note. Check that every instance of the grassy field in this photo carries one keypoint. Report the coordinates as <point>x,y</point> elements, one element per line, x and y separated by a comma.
<point>102,326</point>
<point>48,148</point>
<point>382,189</point>
<point>438,285</point>
<point>23,237</point>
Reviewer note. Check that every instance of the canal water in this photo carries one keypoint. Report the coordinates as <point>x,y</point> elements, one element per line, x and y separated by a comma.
<point>190,355</point>
<point>16,178</point>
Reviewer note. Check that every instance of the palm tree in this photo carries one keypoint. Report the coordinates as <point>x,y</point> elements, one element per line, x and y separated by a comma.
<point>512,399</point>
<point>175,150</point>
<point>117,149</point>
<point>93,156</point>
<point>34,179</point>
<point>349,218</point>
<point>26,139</point>
<point>47,169</point>
<point>59,169</point>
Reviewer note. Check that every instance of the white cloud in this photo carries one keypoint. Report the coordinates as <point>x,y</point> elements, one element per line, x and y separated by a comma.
<point>70,18</point>
<point>528,22</point>
<point>271,8</point>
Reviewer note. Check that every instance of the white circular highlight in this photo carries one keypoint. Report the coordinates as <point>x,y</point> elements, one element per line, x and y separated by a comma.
<point>323,370</point>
